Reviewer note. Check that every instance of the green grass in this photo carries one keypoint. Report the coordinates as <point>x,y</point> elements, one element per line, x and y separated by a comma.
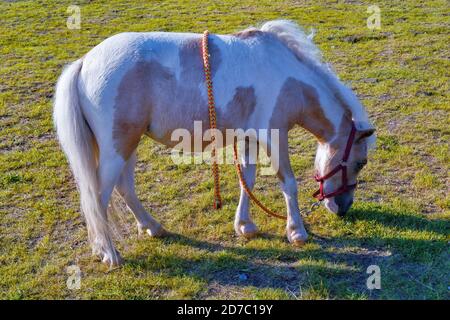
<point>400,220</point>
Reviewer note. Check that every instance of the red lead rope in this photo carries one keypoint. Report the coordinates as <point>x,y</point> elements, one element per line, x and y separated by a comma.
<point>320,194</point>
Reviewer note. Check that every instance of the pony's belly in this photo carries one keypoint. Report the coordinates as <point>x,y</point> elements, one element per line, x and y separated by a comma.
<point>194,135</point>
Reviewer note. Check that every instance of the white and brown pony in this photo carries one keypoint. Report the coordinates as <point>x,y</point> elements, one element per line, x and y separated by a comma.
<point>135,84</point>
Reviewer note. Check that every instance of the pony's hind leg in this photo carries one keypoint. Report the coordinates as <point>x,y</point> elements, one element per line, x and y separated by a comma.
<point>125,187</point>
<point>109,168</point>
<point>243,224</point>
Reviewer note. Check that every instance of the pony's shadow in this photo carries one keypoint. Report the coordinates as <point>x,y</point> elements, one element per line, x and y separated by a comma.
<point>230,265</point>
<point>278,268</point>
<point>400,221</point>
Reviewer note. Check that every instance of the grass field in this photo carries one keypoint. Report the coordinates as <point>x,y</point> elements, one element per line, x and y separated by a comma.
<point>400,219</point>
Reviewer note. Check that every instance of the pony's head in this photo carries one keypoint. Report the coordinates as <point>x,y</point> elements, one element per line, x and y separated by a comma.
<point>338,185</point>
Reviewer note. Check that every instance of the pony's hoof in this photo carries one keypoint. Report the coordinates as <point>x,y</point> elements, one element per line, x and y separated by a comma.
<point>297,237</point>
<point>298,243</point>
<point>247,230</point>
<point>112,260</point>
<point>160,232</point>
<point>154,232</point>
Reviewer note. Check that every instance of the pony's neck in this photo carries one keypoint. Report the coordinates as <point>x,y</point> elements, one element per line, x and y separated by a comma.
<point>322,114</point>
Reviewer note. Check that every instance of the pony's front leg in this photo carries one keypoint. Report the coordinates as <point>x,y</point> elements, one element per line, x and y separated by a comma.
<point>243,225</point>
<point>295,229</point>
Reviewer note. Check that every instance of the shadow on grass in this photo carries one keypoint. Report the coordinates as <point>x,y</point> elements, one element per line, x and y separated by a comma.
<point>334,261</point>
<point>401,220</point>
<point>222,265</point>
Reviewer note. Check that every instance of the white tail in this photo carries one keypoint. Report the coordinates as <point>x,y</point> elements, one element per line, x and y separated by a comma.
<point>80,147</point>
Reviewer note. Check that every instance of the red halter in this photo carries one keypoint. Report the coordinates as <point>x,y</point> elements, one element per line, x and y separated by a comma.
<point>320,194</point>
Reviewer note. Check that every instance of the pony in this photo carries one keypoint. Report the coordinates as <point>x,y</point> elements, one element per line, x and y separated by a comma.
<point>152,83</point>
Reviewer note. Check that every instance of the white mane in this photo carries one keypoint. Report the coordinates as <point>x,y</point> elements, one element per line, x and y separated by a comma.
<point>295,38</point>
<point>301,44</point>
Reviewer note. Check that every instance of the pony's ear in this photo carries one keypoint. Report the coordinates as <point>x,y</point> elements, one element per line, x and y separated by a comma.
<point>364,130</point>
<point>365,134</point>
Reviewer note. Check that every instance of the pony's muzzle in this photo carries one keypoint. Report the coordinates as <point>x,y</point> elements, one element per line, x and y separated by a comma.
<point>343,201</point>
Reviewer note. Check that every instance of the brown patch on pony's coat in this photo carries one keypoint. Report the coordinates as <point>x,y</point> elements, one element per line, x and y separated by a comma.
<point>295,48</point>
<point>249,33</point>
<point>132,105</point>
<point>238,110</point>
<point>299,103</point>
<point>191,61</point>
<point>150,97</point>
